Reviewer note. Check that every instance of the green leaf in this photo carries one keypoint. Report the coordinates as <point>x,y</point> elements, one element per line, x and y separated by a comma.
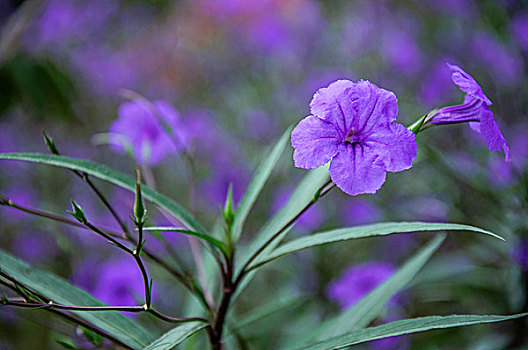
<point>371,306</point>
<point>257,184</point>
<point>302,195</point>
<point>203,236</point>
<point>114,323</point>
<point>175,336</point>
<point>348,233</point>
<point>271,308</point>
<point>106,174</point>
<point>66,343</point>
<point>407,327</point>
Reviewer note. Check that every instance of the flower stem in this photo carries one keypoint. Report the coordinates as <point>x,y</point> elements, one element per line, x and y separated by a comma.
<point>231,284</point>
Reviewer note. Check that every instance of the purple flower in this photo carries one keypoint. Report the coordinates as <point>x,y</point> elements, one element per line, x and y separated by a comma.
<point>223,173</point>
<point>150,131</point>
<point>402,52</point>
<point>34,246</point>
<point>309,220</point>
<point>358,281</point>
<point>436,87</point>
<point>520,255</point>
<point>519,27</point>
<point>474,110</point>
<point>116,282</point>
<point>360,211</point>
<point>503,63</point>
<point>352,125</point>
<point>500,173</point>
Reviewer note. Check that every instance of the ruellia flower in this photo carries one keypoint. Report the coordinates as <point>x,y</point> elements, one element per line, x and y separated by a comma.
<point>149,130</point>
<point>352,124</point>
<point>475,111</point>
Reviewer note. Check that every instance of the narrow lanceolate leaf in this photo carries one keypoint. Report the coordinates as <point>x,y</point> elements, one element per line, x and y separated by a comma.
<point>371,306</point>
<point>203,236</point>
<point>114,323</point>
<point>257,184</point>
<point>407,327</point>
<point>106,174</point>
<point>344,234</point>
<point>302,195</point>
<point>274,307</point>
<point>175,336</point>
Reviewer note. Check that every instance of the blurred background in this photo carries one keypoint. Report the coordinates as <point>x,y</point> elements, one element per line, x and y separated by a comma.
<point>229,76</point>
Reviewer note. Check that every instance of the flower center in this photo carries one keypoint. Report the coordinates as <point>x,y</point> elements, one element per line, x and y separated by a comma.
<point>352,137</point>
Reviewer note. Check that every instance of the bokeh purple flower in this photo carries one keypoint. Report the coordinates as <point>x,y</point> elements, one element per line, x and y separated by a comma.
<point>503,63</point>
<point>436,86</point>
<point>360,211</point>
<point>150,131</point>
<point>520,254</point>
<point>353,125</point>
<point>358,281</point>
<point>309,220</point>
<point>519,28</point>
<point>117,281</point>
<point>475,111</point>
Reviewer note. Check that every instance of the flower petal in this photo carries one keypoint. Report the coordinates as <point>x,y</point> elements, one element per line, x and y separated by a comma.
<point>399,144</point>
<point>469,111</point>
<point>467,84</point>
<point>315,142</point>
<point>490,130</point>
<point>356,169</point>
<point>375,106</point>
<point>335,104</point>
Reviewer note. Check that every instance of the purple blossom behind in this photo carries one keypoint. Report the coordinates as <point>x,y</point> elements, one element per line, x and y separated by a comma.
<point>310,220</point>
<point>64,20</point>
<point>357,281</point>
<point>360,211</point>
<point>402,52</point>
<point>260,125</point>
<point>504,64</point>
<point>21,195</point>
<point>353,126</point>
<point>107,70</point>
<point>216,185</point>
<point>519,28</point>
<point>499,172</point>
<point>475,111</point>
<point>152,131</point>
<point>519,149</point>
<point>34,246</point>
<point>436,86</point>
<point>520,255</point>
<point>116,282</point>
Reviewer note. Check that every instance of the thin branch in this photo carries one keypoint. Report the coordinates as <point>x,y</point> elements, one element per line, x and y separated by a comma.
<point>48,304</point>
<point>84,176</point>
<point>48,215</point>
<point>72,318</point>
<point>51,216</point>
